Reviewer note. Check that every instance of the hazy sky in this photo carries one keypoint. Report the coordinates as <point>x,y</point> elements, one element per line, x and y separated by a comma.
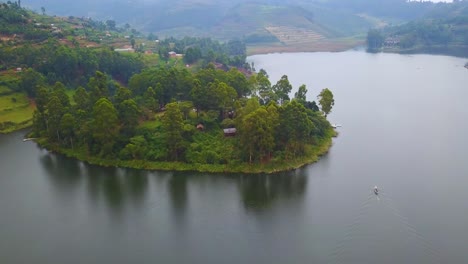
<point>435,1</point>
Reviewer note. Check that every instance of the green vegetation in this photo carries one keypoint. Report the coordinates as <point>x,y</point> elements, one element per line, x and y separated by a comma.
<point>80,47</point>
<point>15,107</point>
<point>179,123</point>
<point>311,155</point>
<point>266,23</point>
<point>444,30</point>
<point>15,112</point>
<point>202,111</point>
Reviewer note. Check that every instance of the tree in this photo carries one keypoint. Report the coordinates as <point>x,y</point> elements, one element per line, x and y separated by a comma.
<point>294,128</point>
<point>192,55</point>
<point>122,94</point>
<point>264,88</point>
<point>55,111</point>
<point>127,26</point>
<point>282,89</point>
<point>173,126</point>
<point>136,149</point>
<point>224,95</point>
<point>110,24</point>
<point>301,93</point>
<point>68,127</point>
<point>39,123</point>
<point>237,80</point>
<point>104,126</point>
<point>98,86</point>
<point>30,80</point>
<point>82,101</point>
<point>151,36</point>
<point>200,96</point>
<point>326,101</point>
<point>60,91</point>
<point>375,40</point>
<point>185,107</point>
<point>128,115</point>
<point>42,97</point>
<point>257,132</point>
<point>149,99</point>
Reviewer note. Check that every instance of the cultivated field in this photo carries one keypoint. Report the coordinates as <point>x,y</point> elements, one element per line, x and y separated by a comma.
<point>293,35</point>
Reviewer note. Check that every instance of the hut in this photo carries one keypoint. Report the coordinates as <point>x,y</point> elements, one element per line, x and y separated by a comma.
<point>230,132</point>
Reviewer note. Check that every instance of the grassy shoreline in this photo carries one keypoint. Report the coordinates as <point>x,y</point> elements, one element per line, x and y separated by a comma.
<point>325,45</point>
<point>313,155</point>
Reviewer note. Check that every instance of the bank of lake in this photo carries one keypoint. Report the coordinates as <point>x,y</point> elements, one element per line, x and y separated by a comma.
<point>312,154</point>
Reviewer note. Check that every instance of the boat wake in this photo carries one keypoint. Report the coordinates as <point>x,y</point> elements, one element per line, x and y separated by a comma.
<point>381,233</point>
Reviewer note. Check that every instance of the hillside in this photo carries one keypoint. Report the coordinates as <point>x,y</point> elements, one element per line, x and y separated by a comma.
<point>39,51</point>
<point>444,31</point>
<point>87,99</point>
<point>265,25</point>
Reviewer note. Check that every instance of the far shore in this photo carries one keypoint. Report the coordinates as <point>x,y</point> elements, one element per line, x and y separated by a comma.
<point>327,45</point>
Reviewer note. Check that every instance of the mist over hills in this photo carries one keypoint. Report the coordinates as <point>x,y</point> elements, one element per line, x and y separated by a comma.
<point>256,21</point>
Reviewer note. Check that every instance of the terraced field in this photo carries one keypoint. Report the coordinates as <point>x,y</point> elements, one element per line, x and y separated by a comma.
<point>294,35</point>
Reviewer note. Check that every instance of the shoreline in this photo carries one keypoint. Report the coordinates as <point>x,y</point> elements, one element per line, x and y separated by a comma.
<point>313,155</point>
<point>338,45</point>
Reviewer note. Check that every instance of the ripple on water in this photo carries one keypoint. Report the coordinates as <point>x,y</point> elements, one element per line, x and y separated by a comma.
<point>381,233</point>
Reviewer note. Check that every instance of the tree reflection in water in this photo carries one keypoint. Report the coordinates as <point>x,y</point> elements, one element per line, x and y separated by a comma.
<point>115,186</point>
<point>259,192</point>
<point>120,188</point>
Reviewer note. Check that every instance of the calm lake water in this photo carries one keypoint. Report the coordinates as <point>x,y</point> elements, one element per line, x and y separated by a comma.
<point>404,127</point>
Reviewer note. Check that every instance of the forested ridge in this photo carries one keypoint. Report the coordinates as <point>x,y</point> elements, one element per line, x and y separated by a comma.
<point>210,112</point>
<point>444,30</point>
<point>40,50</point>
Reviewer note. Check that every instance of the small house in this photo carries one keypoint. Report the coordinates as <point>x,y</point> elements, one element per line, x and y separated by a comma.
<point>230,132</point>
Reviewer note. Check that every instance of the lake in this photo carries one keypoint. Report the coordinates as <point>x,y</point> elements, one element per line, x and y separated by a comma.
<point>404,127</point>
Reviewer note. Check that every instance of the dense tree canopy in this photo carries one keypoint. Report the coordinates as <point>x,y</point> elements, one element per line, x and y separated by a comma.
<point>122,109</point>
<point>114,126</point>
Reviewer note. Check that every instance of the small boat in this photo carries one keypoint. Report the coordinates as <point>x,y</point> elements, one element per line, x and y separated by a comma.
<point>376,190</point>
<point>336,125</point>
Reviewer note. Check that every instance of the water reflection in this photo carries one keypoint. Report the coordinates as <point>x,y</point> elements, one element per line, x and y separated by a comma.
<point>65,173</point>
<point>115,187</point>
<point>260,192</point>
<point>177,187</point>
<point>120,188</point>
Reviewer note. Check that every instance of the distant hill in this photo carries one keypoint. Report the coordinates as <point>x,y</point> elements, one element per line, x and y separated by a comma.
<point>209,17</point>
<point>270,22</point>
<point>443,30</point>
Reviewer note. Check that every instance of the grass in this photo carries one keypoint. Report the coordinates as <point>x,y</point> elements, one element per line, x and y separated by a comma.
<point>5,90</point>
<point>16,112</point>
<point>17,119</point>
<point>323,44</point>
<point>13,101</point>
<point>151,125</point>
